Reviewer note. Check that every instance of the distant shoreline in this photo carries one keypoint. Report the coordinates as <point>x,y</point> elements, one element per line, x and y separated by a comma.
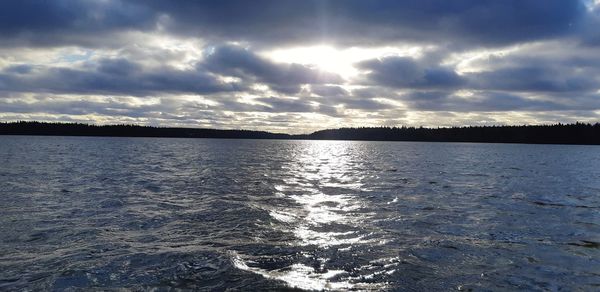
<point>578,133</point>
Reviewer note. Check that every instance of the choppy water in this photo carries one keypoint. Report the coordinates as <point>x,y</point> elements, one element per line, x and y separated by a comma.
<point>269,215</point>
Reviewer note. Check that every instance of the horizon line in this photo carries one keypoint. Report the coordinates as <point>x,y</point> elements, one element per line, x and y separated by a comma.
<point>309,133</point>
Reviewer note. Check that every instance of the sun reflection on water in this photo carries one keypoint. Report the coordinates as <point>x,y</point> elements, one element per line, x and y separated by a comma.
<point>322,183</point>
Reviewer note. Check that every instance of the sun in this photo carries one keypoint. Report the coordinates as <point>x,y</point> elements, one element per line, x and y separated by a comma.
<point>340,61</point>
<point>326,58</point>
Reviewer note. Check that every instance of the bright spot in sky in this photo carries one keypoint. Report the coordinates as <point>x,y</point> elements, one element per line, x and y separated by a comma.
<point>325,57</point>
<point>339,61</point>
<point>592,4</point>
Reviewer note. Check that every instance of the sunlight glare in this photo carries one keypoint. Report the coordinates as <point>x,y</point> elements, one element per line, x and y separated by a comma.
<point>340,61</point>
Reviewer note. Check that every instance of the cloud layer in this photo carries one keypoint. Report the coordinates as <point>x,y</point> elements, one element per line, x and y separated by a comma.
<point>211,63</point>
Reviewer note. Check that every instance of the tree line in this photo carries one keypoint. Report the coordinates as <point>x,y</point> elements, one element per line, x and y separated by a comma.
<point>577,133</point>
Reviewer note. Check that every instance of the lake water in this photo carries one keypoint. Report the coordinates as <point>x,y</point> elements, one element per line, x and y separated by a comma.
<point>142,213</point>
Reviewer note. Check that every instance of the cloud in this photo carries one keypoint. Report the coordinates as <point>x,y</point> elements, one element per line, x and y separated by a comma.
<point>71,22</point>
<point>124,77</point>
<point>112,76</point>
<point>405,72</point>
<point>589,35</point>
<point>267,22</point>
<point>533,79</point>
<point>477,101</point>
<point>19,69</point>
<point>511,73</point>
<point>328,90</point>
<point>211,63</point>
<point>354,21</point>
<point>242,63</point>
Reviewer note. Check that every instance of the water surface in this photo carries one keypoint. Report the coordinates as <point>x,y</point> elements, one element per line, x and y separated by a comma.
<point>208,214</point>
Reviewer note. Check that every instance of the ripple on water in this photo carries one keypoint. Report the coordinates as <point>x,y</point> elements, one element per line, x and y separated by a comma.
<point>194,214</point>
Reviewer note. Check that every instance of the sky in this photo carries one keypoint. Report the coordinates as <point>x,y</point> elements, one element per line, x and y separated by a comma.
<point>299,66</point>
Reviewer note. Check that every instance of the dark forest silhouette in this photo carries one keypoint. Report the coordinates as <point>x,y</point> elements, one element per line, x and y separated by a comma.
<point>578,133</point>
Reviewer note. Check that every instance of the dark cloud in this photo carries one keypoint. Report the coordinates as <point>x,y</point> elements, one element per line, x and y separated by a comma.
<point>19,69</point>
<point>479,101</point>
<point>287,105</point>
<point>286,78</point>
<point>533,79</point>
<point>404,72</point>
<point>328,90</point>
<point>112,76</point>
<point>71,22</point>
<point>478,22</point>
<point>118,67</point>
<point>124,77</point>
<point>357,21</point>
<point>590,35</point>
<point>510,73</point>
